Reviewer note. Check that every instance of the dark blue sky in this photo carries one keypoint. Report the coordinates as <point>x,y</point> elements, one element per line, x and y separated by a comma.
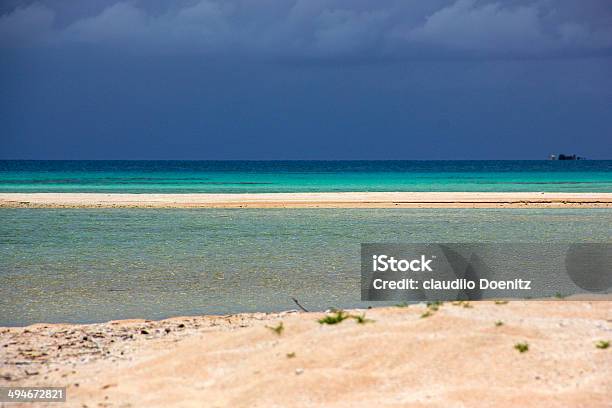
<point>306,79</point>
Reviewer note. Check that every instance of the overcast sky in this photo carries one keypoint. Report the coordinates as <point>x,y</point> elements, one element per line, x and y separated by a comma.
<point>305,79</point>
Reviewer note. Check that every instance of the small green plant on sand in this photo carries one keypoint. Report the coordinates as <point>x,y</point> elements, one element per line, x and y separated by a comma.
<point>278,329</point>
<point>334,318</point>
<point>499,323</point>
<point>340,315</point>
<point>602,344</point>
<point>501,302</point>
<point>463,303</point>
<point>559,295</point>
<point>291,355</point>
<point>521,347</point>
<point>403,304</point>
<point>361,319</point>
<point>431,308</point>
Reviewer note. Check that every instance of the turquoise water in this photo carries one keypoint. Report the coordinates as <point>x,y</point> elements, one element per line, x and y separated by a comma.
<point>96,265</point>
<point>303,176</point>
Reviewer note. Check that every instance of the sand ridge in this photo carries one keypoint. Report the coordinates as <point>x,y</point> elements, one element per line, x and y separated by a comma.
<point>310,200</point>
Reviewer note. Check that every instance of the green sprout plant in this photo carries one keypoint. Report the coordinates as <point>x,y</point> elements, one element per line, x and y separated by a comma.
<point>339,316</point>
<point>361,319</point>
<point>334,318</point>
<point>602,344</point>
<point>463,303</point>
<point>278,329</point>
<point>522,347</point>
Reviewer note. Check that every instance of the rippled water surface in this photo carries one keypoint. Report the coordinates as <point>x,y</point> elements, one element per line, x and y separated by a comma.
<point>96,265</point>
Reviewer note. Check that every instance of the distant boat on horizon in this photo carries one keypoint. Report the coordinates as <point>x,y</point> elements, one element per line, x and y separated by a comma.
<point>562,156</point>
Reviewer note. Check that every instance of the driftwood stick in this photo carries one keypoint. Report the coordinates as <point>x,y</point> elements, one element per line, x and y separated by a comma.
<point>298,303</point>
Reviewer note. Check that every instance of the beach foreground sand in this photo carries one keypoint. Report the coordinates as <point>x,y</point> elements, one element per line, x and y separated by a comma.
<point>311,200</point>
<point>456,356</point>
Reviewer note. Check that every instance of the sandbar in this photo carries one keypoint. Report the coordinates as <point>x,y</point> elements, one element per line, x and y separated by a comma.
<point>310,200</point>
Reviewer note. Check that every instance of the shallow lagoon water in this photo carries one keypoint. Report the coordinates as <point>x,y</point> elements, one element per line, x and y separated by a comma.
<point>90,265</point>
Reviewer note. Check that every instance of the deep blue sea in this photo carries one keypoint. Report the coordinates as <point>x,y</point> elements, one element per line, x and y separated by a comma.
<point>303,176</point>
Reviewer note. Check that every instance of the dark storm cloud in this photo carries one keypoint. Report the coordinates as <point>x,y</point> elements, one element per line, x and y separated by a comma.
<point>316,28</point>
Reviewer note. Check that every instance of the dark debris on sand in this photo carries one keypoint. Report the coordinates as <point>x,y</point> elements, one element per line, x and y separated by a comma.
<point>30,353</point>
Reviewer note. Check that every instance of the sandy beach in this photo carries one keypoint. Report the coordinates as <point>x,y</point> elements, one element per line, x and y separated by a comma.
<point>461,354</point>
<point>310,200</point>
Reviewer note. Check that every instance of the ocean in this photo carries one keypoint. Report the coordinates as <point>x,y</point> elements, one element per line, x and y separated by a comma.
<point>94,265</point>
<point>303,176</point>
